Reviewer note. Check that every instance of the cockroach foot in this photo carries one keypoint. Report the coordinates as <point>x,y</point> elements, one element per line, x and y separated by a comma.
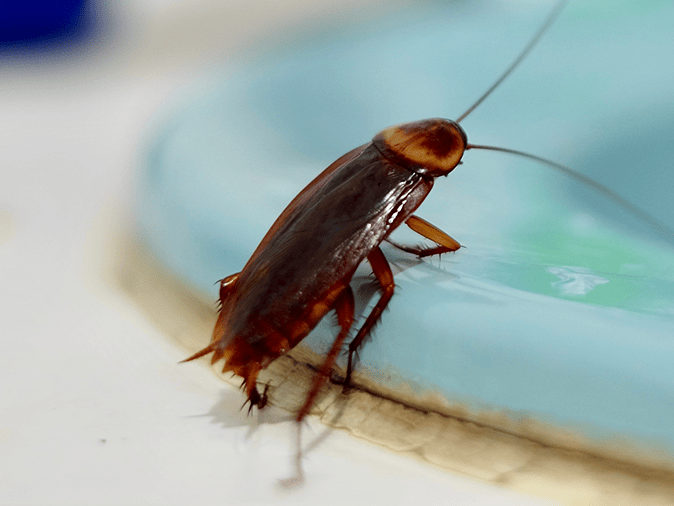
<point>256,399</point>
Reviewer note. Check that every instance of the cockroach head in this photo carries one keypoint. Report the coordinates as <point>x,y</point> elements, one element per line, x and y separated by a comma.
<point>431,147</point>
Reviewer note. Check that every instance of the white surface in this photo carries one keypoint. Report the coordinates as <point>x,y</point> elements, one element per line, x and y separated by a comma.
<point>94,408</point>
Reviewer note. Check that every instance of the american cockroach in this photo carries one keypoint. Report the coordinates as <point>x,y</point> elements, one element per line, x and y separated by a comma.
<point>304,265</point>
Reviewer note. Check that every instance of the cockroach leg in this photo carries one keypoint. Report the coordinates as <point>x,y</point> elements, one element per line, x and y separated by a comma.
<point>263,398</point>
<point>250,400</point>
<point>445,243</point>
<point>382,271</point>
<point>256,399</point>
<point>227,285</point>
<point>344,306</point>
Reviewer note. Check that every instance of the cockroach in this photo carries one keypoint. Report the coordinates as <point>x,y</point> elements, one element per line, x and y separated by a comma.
<point>304,265</point>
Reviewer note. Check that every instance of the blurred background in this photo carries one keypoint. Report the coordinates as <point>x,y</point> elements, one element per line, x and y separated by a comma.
<point>93,408</point>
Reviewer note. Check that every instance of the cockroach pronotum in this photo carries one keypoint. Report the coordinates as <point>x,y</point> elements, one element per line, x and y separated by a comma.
<point>304,265</point>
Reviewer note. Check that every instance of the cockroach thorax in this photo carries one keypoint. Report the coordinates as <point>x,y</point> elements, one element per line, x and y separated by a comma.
<point>431,147</point>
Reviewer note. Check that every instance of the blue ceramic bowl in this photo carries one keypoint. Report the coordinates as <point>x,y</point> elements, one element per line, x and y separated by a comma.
<point>561,306</point>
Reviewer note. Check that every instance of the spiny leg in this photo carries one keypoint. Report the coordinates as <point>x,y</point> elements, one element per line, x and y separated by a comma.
<point>445,243</point>
<point>227,286</point>
<point>256,398</point>
<point>344,306</point>
<point>382,271</point>
<point>249,386</point>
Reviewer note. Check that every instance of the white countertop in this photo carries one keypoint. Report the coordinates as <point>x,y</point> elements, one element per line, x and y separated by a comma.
<point>94,409</point>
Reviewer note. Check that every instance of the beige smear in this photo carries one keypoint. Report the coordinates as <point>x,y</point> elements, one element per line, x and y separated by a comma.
<point>528,456</point>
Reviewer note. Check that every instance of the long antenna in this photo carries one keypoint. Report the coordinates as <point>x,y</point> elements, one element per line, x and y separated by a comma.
<point>604,190</point>
<point>544,27</point>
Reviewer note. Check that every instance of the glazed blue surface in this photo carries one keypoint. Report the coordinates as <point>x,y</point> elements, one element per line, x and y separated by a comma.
<point>561,306</point>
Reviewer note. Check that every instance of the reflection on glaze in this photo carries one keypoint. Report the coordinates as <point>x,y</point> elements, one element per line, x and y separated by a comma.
<point>575,280</point>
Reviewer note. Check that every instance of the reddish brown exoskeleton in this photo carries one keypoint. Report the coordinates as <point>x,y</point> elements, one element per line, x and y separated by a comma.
<point>303,267</point>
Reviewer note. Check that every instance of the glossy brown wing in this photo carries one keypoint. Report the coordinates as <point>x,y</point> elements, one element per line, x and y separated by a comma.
<point>306,193</point>
<point>318,242</point>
